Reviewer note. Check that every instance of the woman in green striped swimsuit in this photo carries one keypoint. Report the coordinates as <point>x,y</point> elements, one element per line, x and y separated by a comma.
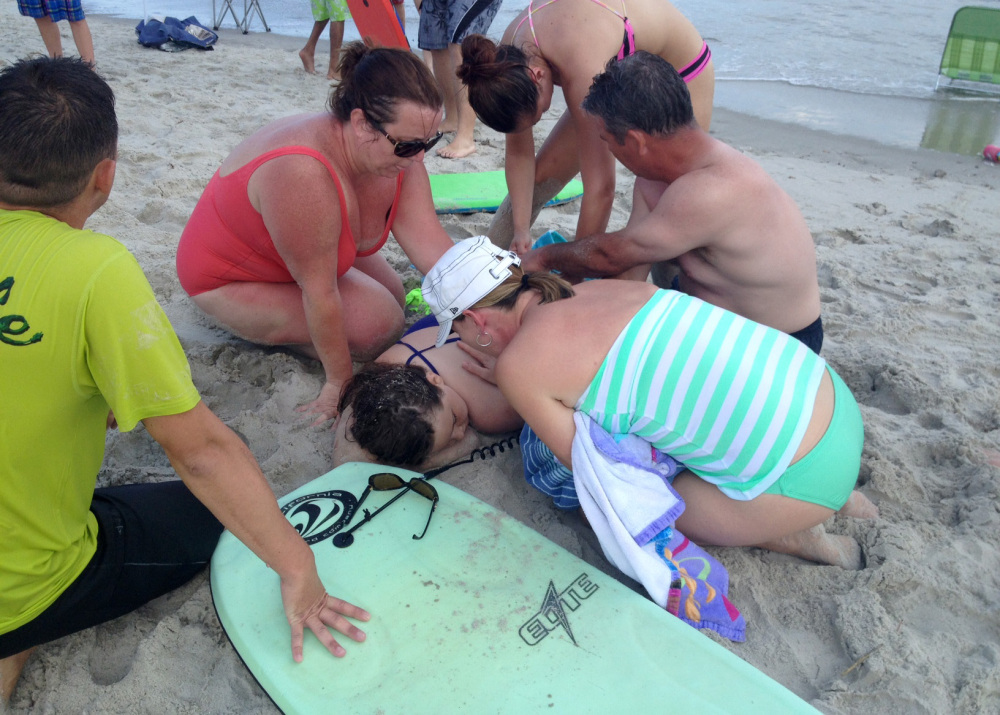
<point>770,434</point>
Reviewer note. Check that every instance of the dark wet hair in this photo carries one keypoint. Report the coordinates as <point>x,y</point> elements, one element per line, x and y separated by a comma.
<point>376,79</point>
<point>643,92</point>
<point>391,404</point>
<point>57,123</point>
<point>501,89</point>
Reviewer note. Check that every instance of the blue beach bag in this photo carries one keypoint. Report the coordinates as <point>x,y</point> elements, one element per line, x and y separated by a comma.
<point>172,35</point>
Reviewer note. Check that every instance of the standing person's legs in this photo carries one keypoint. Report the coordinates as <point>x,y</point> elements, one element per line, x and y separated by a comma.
<point>47,27</point>
<point>338,12</point>
<point>433,37</point>
<point>441,66</point>
<point>83,39</point>
<point>50,36</point>
<point>151,539</point>
<point>336,40</point>
<point>308,53</point>
<point>464,143</point>
<point>72,10</point>
<point>464,18</point>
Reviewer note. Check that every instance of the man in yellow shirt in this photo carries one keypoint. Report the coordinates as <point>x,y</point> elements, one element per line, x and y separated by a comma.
<point>82,337</point>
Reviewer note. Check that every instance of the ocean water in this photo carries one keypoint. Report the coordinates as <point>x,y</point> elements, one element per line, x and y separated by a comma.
<point>866,68</point>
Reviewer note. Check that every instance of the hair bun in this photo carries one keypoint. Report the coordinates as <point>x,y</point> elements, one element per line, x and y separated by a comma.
<point>479,59</point>
<point>351,55</point>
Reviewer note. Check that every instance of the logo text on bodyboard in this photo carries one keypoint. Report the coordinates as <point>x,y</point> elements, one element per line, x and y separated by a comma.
<point>319,516</point>
<point>553,613</point>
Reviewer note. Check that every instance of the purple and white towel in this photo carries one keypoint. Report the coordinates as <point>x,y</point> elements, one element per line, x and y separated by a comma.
<point>624,488</point>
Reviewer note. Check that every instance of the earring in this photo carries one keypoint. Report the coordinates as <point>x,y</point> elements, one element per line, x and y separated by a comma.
<point>481,344</point>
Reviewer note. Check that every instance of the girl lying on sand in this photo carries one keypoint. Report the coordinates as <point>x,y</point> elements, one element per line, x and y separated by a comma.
<point>413,407</point>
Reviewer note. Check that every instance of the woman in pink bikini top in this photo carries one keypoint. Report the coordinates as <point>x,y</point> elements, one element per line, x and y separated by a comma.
<point>565,43</point>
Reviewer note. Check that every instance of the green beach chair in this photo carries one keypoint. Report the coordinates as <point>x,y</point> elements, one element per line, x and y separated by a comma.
<point>971,58</point>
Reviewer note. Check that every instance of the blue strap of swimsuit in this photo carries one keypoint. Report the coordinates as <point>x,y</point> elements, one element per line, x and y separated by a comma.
<point>420,353</point>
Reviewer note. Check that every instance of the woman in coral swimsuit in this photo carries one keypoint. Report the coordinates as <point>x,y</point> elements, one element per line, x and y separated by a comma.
<point>565,43</point>
<point>282,247</point>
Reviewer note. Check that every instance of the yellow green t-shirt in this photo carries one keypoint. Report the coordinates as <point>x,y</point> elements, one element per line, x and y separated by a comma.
<point>81,333</point>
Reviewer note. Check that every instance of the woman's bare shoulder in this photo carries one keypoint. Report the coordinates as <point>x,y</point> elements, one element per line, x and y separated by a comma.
<point>299,129</point>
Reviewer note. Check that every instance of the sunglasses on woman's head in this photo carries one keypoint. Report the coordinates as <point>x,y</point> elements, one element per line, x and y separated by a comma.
<point>410,147</point>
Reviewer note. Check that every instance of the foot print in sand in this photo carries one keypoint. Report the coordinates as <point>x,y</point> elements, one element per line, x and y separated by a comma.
<point>940,227</point>
<point>113,653</point>
<point>896,391</point>
<point>874,208</point>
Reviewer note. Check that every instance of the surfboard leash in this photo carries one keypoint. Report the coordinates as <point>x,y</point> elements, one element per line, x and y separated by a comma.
<point>482,453</point>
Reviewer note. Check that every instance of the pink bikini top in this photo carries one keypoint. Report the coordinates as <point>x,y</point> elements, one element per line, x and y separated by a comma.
<point>688,72</point>
<point>628,42</point>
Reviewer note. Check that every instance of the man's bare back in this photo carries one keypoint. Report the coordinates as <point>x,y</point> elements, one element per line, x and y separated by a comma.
<point>699,206</point>
<point>738,239</point>
<point>753,252</point>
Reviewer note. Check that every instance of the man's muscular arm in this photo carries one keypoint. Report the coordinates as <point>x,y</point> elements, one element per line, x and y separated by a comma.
<point>649,237</point>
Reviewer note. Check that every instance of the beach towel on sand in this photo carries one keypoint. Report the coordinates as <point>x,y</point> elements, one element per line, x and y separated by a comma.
<point>172,35</point>
<point>624,488</point>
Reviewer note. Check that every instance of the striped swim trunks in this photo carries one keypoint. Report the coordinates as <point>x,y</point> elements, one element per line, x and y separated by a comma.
<point>57,10</point>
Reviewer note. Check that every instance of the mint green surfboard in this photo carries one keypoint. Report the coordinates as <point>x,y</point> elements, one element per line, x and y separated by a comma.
<point>482,615</point>
<point>483,191</point>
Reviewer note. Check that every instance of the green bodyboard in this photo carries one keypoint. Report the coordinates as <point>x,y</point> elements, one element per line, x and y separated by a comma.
<point>483,191</point>
<point>482,615</point>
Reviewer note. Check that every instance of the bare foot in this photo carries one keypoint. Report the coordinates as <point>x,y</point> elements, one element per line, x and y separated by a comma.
<point>333,76</point>
<point>457,149</point>
<point>10,672</point>
<point>308,61</point>
<point>448,126</point>
<point>816,545</point>
<point>859,506</point>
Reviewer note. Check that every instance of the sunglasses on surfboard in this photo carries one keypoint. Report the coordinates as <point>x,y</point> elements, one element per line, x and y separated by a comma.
<point>384,482</point>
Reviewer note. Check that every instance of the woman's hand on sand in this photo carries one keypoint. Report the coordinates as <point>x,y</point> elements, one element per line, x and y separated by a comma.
<point>483,364</point>
<point>325,406</point>
<point>308,605</point>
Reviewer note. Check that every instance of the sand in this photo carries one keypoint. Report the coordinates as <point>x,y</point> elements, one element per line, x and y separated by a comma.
<point>910,281</point>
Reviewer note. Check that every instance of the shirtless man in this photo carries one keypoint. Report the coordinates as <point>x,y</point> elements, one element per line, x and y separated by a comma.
<point>738,239</point>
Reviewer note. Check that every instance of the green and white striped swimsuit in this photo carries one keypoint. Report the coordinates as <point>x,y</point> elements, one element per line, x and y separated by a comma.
<point>728,397</point>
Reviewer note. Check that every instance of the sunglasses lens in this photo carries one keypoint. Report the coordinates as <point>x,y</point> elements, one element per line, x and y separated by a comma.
<point>433,140</point>
<point>404,150</point>
<point>424,489</point>
<point>385,481</point>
